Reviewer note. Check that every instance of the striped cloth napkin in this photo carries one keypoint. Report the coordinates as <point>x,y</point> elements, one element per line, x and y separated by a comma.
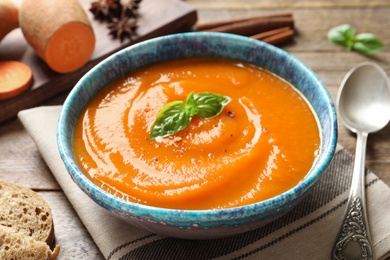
<point>307,232</point>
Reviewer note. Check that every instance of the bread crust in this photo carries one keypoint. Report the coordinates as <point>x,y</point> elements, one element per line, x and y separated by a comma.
<point>27,214</point>
<point>14,245</point>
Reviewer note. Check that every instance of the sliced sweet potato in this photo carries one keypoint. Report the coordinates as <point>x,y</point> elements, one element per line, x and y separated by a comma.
<point>15,78</point>
<point>59,31</point>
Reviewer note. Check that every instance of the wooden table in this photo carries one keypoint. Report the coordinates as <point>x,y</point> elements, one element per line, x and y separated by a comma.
<point>20,161</point>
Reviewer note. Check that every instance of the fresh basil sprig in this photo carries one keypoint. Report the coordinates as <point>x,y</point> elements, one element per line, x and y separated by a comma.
<point>364,43</point>
<point>177,115</point>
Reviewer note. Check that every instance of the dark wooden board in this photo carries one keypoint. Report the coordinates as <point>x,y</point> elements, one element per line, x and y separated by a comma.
<point>157,18</point>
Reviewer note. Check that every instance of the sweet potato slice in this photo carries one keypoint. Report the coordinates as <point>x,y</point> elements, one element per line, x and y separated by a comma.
<point>15,78</point>
<point>59,31</point>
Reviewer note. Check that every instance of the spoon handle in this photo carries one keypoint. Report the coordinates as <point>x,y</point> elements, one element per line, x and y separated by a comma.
<point>354,240</point>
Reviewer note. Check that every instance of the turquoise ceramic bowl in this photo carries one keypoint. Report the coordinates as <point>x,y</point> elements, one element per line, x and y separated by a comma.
<point>199,224</point>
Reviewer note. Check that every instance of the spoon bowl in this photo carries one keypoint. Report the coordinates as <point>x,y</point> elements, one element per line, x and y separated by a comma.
<point>364,107</point>
<point>364,98</point>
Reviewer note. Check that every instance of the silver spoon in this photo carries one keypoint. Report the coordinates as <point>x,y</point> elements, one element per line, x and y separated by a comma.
<point>364,107</point>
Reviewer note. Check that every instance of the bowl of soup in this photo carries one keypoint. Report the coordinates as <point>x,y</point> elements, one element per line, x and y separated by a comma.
<point>198,135</point>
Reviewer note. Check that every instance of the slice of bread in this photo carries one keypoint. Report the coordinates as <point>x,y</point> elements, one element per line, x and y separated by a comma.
<point>28,215</point>
<point>16,246</point>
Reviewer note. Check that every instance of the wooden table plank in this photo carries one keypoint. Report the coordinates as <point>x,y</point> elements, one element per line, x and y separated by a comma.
<point>313,25</point>
<point>20,160</point>
<point>284,4</point>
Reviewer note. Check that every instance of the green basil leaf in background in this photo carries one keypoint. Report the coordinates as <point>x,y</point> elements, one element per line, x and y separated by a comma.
<point>364,43</point>
<point>210,104</point>
<point>342,35</point>
<point>367,44</point>
<point>172,118</point>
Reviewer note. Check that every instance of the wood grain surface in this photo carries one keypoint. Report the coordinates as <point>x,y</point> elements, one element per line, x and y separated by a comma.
<point>20,161</point>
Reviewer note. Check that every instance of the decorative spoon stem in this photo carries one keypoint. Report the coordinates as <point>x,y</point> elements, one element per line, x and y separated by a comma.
<point>354,238</point>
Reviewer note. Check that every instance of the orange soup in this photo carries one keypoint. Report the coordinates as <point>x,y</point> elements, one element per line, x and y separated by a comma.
<point>262,144</point>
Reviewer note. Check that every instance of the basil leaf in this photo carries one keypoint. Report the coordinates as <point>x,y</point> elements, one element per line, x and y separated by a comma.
<point>342,35</point>
<point>210,104</point>
<point>172,118</point>
<point>177,115</point>
<point>191,104</point>
<point>364,43</point>
<point>367,44</point>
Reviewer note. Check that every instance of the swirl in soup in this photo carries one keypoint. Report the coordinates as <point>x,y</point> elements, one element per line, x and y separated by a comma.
<point>262,144</point>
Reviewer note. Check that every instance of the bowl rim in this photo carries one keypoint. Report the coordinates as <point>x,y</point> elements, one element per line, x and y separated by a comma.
<point>185,218</point>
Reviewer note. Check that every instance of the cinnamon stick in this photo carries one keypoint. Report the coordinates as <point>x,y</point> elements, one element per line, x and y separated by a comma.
<point>214,24</point>
<point>254,26</point>
<point>273,29</point>
<point>275,36</point>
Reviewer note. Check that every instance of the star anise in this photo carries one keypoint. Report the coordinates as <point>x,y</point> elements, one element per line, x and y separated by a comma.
<point>131,7</point>
<point>123,27</point>
<point>121,15</point>
<point>106,9</point>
